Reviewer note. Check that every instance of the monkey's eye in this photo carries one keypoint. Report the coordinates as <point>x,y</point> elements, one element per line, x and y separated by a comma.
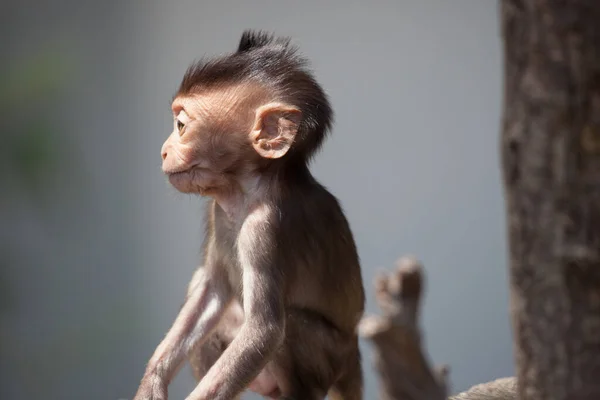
<point>180,125</point>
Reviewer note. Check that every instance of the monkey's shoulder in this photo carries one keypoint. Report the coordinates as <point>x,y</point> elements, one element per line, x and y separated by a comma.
<point>312,216</point>
<point>312,201</point>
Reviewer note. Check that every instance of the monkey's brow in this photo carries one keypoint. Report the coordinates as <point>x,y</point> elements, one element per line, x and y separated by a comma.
<point>171,102</point>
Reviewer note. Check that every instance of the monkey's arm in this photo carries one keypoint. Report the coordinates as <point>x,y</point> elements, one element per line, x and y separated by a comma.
<point>263,328</point>
<point>207,299</point>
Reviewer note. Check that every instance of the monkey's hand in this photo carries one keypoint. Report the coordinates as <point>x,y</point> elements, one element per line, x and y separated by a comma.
<point>152,387</point>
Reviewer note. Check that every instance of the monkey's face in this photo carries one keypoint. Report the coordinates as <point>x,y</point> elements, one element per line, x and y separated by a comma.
<point>202,153</point>
<point>219,139</point>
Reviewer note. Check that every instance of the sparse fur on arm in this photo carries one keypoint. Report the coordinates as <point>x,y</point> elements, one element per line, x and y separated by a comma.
<point>262,331</point>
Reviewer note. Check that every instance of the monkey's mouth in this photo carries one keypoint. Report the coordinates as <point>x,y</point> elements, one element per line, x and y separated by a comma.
<point>177,177</point>
<point>191,180</point>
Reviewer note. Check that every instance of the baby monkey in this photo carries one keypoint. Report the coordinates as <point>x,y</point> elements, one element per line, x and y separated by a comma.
<point>275,305</point>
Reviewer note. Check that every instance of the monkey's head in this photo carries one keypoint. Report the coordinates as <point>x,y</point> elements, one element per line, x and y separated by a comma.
<point>243,113</point>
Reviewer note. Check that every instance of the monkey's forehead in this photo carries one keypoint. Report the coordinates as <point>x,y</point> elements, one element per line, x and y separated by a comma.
<point>204,103</point>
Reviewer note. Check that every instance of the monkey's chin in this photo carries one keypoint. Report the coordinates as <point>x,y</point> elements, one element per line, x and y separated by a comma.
<point>187,182</point>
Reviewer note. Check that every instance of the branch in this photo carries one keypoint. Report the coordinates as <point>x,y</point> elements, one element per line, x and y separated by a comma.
<point>404,372</point>
<point>499,389</point>
<point>403,369</point>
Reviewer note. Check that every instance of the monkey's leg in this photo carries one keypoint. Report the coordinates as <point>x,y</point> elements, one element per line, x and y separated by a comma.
<point>203,356</point>
<point>313,358</point>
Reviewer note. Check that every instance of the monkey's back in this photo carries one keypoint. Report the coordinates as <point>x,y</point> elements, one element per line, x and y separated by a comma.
<point>316,248</point>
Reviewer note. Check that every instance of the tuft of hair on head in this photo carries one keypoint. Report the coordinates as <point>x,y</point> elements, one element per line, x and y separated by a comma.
<point>271,62</point>
<point>252,39</point>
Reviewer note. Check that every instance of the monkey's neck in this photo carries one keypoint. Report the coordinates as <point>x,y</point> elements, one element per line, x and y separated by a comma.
<point>236,200</point>
<point>246,192</point>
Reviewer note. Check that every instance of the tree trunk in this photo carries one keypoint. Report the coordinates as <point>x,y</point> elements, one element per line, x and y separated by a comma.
<point>551,171</point>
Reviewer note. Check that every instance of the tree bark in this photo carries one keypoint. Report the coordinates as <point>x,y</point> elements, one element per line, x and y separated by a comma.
<point>551,170</point>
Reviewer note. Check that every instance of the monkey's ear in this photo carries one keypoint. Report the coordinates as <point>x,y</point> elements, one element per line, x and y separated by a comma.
<point>275,128</point>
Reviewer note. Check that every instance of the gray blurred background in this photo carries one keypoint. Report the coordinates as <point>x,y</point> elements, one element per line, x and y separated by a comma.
<point>96,249</point>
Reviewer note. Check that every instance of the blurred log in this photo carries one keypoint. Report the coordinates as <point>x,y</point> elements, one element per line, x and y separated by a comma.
<point>499,389</point>
<point>399,358</point>
<point>404,372</point>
